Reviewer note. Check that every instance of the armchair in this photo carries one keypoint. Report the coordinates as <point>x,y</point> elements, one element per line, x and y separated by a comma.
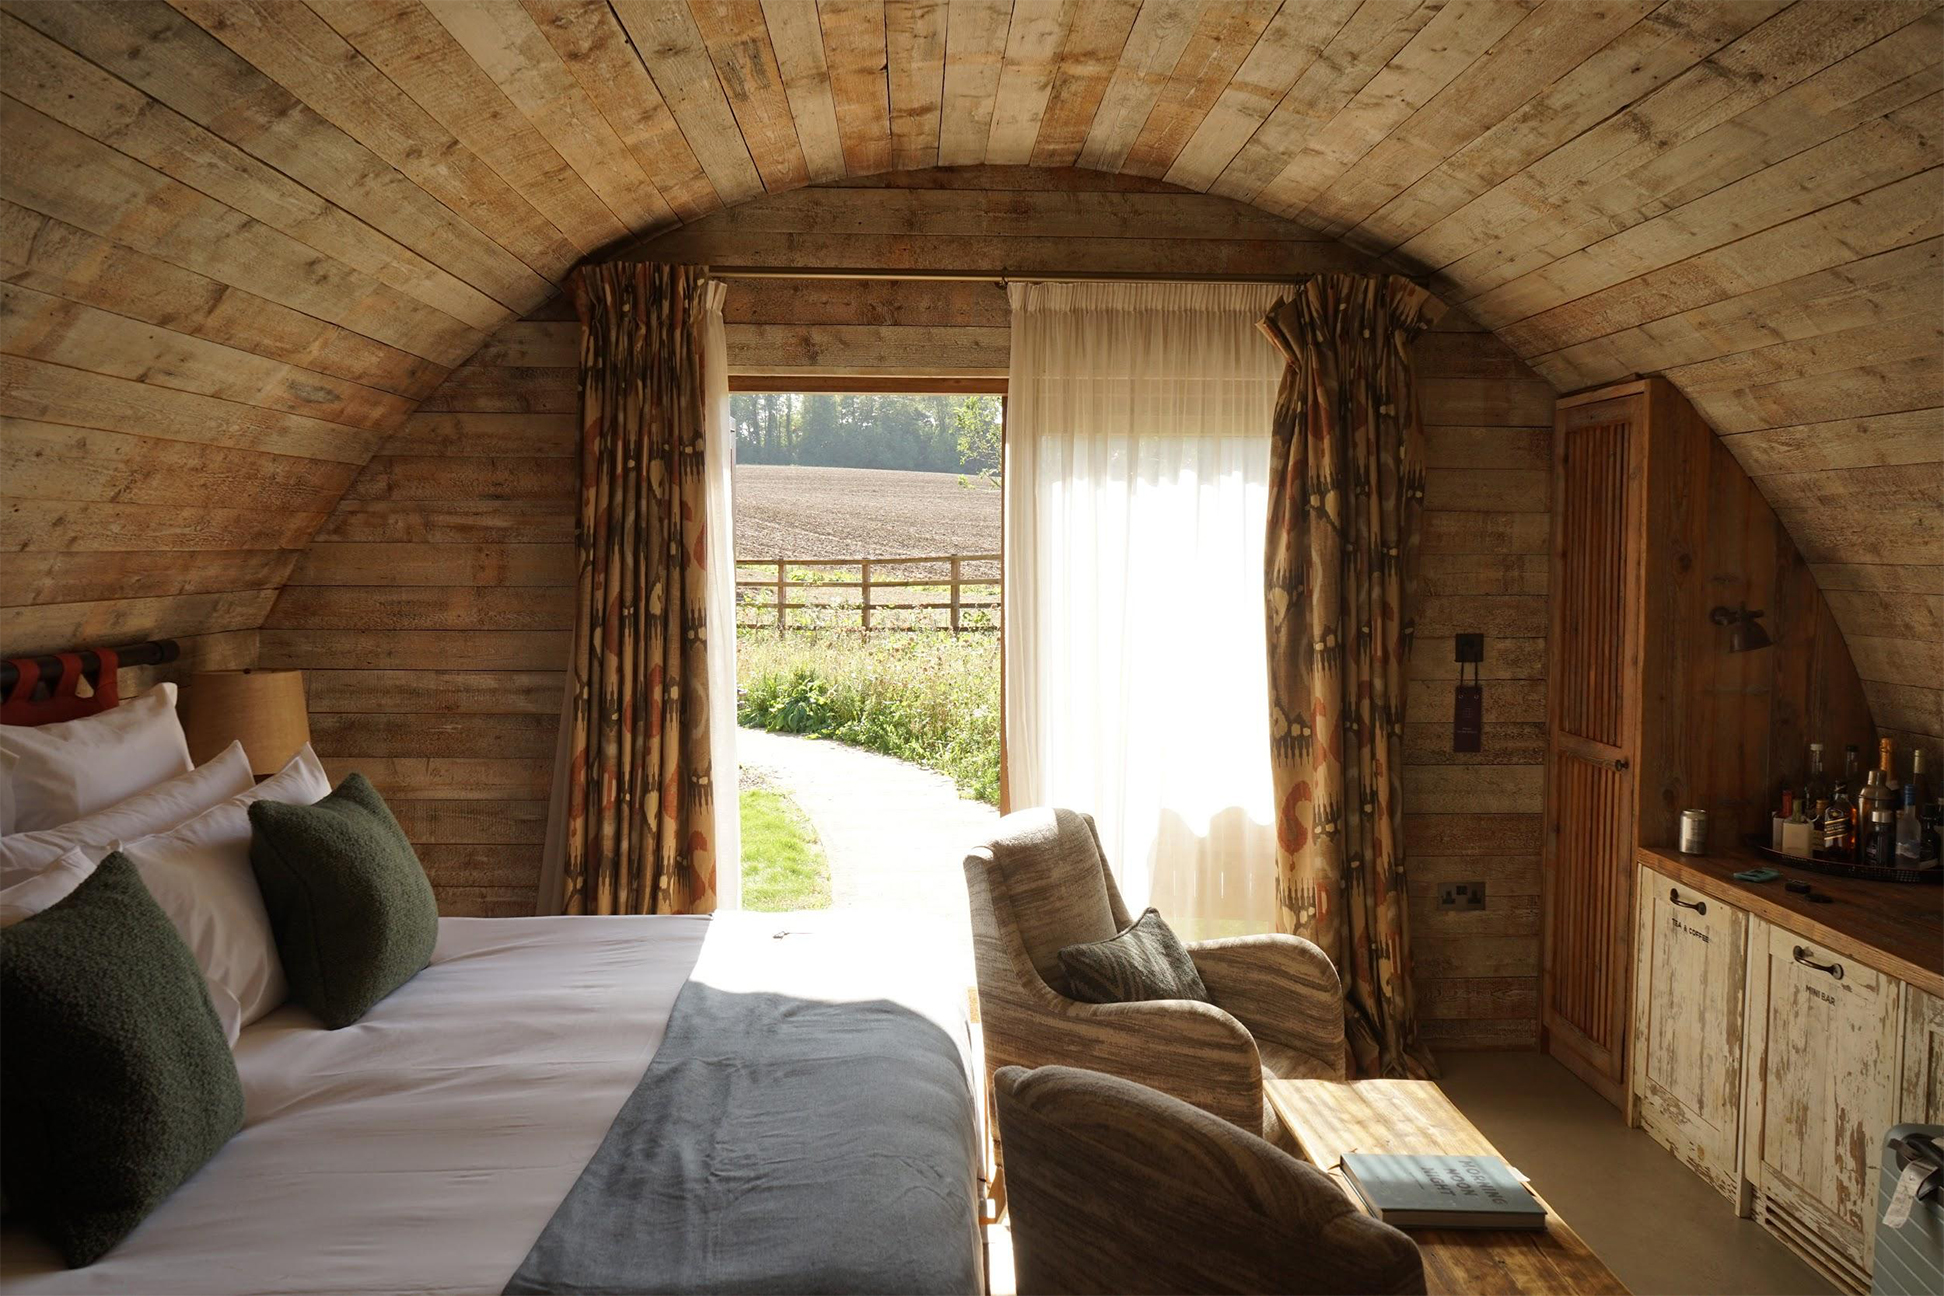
<point>1042,884</point>
<point>1117,1188</point>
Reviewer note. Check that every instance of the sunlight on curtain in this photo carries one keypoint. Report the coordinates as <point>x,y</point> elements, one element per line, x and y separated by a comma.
<point>719,461</point>
<point>1137,471</point>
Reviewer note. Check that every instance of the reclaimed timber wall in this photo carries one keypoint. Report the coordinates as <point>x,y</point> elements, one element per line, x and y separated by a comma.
<point>434,605</point>
<point>432,613</point>
<point>242,238</point>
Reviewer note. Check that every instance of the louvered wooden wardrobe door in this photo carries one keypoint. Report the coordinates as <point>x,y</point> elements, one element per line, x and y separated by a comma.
<point>1590,784</point>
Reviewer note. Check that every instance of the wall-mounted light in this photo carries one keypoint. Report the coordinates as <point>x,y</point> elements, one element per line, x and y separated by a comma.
<point>1746,635</point>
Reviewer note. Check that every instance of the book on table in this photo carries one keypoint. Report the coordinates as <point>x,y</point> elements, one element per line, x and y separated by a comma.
<point>1478,1192</point>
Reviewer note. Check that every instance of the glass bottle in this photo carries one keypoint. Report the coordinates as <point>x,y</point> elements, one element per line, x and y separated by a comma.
<point>1873,817</point>
<point>1919,780</point>
<point>1839,820</point>
<point>1910,830</point>
<point>1817,793</point>
<point>1886,761</point>
<point>1878,848</point>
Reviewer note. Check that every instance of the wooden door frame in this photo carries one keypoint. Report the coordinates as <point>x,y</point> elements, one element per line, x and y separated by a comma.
<point>915,385</point>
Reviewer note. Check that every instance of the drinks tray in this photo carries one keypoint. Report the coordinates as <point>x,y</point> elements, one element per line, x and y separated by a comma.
<point>1835,868</point>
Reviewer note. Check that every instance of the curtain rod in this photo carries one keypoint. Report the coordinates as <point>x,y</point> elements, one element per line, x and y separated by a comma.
<point>952,276</point>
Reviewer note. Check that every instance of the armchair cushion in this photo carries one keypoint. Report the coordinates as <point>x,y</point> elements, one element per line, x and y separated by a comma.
<point>1147,961</point>
<point>1056,882</point>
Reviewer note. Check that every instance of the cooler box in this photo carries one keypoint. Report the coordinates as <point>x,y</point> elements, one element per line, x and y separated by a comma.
<point>1910,1259</point>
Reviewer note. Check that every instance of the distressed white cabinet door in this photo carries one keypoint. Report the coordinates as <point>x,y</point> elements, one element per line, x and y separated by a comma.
<point>1834,1038</point>
<point>1692,970</point>
<point>1921,1100</point>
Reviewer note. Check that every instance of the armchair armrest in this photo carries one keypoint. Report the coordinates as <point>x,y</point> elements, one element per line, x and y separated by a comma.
<point>1283,988</point>
<point>1195,1051</point>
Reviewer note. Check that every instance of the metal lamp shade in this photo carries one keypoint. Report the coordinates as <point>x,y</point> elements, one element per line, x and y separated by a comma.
<point>262,709</point>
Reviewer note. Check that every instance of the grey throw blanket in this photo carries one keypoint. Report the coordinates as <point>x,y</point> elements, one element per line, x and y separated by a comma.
<point>778,1144</point>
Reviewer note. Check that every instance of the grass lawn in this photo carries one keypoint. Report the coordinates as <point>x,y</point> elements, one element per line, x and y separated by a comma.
<point>783,864</point>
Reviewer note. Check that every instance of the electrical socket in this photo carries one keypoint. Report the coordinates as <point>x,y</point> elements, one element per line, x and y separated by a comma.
<point>1461,895</point>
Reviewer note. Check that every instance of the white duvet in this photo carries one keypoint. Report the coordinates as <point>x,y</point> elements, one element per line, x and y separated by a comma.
<point>424,1148</point>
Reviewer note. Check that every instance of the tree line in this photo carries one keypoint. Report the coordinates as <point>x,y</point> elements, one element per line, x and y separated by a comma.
<point>868,430</point>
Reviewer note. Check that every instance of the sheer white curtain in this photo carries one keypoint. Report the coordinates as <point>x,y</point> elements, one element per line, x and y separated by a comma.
<point>719,461</point>
<point>1137,465</point>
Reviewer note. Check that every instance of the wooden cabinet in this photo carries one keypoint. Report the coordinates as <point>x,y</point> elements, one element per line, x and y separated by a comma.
<point>1654,525</point>
<point>1776,1040</point>
<point>1830,1052</point>
<point>1691,978</point>
<point>1920,1094</point>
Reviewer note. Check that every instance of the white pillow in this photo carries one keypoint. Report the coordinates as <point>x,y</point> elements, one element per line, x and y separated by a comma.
<point>159,809</point>
<point>76,767</point>
<point>6,794</point>
<point>199,872</point>
<point>46,888</point>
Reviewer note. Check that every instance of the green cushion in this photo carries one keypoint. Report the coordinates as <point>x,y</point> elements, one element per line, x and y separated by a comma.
<point>351,908</point>
<point>1147,961</point>
<point>118,1083</point>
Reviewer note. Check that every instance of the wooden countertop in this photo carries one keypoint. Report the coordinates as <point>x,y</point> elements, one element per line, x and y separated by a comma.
<point>1896,928</point>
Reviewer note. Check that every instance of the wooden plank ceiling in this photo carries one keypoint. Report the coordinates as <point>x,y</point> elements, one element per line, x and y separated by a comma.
<point>243,238</point>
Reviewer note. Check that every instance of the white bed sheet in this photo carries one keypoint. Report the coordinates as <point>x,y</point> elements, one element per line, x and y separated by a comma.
<point>423,1149</point>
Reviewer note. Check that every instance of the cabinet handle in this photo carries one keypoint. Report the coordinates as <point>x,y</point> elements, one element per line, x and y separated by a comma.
<point>1802,957</point>
<point>1699,906</point>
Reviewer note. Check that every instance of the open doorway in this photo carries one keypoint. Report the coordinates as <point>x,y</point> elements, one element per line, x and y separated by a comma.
<point>867,530</point>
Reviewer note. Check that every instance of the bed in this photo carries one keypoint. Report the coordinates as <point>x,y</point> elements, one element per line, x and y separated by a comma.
<point>727,1103</point>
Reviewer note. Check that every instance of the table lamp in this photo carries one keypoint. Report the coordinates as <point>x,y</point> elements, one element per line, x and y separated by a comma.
<point>262,709</point>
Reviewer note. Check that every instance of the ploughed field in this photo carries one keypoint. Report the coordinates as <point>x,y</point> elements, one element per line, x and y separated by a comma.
<point>790,512</point>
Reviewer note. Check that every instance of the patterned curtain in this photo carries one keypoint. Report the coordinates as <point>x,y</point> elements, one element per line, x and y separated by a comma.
<point>1346,482</point>
<point>640,813</point>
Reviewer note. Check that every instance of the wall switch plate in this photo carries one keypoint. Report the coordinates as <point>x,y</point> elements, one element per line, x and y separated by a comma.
<point>1461,896</point>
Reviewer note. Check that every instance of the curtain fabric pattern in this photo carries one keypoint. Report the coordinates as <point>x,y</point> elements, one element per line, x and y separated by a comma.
<point>640,832</point>
<point>1137,489</point>
<point>1346,480</point>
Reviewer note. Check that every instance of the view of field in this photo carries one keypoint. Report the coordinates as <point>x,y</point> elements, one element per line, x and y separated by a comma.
<point>792,512</point>
<point>929,697</point>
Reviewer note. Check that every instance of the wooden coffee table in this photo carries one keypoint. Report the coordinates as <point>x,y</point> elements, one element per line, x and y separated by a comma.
<point>1329,1118</point>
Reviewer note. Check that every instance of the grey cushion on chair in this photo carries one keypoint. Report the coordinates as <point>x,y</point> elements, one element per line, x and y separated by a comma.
<point>1147,961</point>
<point>1116,1187</point>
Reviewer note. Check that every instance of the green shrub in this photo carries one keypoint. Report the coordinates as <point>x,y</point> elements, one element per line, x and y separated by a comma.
<point>930,698</point>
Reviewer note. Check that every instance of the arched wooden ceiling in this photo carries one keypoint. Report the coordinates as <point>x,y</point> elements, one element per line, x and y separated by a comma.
<point>241,238</point>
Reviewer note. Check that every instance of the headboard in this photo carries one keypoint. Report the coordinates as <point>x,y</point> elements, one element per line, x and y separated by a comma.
<point>69,685</point>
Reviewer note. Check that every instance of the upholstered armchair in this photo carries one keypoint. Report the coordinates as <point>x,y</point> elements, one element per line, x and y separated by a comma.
<point>1042,884</point>
<point>1115,1187</point>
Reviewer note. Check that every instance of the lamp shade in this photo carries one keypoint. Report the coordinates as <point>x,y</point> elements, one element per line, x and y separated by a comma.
<point>262,709</point>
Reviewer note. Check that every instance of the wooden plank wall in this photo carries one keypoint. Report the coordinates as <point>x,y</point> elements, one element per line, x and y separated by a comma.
<point>243,237</point>
<point>431,616</point>
<point>451,548</point>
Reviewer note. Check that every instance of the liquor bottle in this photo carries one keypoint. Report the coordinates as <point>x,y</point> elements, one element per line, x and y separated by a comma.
<point>1919,780</point>
<point>1874,818</point>
<point>1910,830</point>
<point>1817,792</point>
<point>1878,846</point>
<point>1934,839</point>
<point>1839,820</point>
<point>1876,795</point>
<point>1886,761</point>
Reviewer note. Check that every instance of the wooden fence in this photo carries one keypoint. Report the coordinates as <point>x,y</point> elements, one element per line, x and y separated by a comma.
<point>931,593</point>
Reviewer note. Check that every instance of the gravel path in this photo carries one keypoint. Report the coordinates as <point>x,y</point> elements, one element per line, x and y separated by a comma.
<point>896,834</point>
